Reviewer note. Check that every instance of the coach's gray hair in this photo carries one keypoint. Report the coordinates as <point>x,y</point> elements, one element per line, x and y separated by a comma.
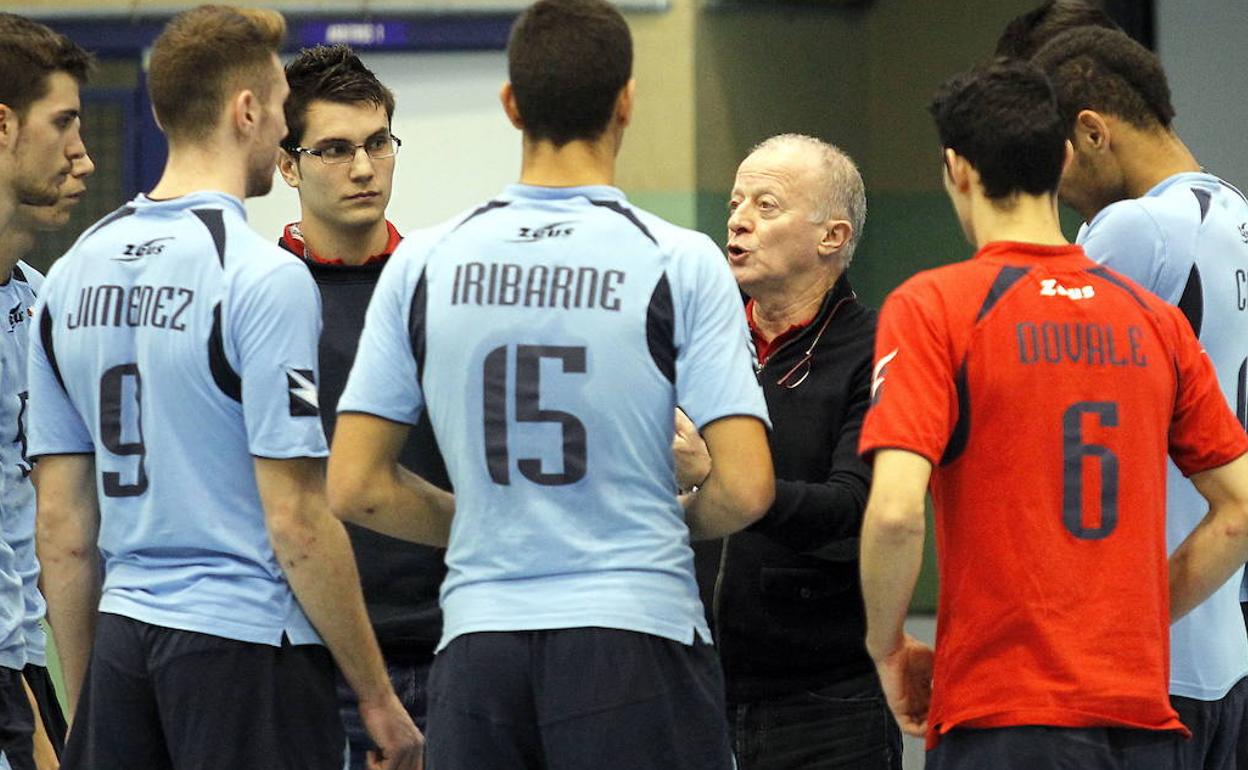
<point>841,193</point>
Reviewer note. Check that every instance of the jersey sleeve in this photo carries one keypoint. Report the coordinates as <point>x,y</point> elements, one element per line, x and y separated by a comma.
<point>383,379</point>
<point>1204,433</point>
<point>914,402</point>
<point>55,426</point>
<point>276,325</point>
<point>1127,239</point>
<point>714,366</point>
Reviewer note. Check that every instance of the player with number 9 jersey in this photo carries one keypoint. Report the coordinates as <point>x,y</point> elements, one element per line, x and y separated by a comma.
<point>168,321</point>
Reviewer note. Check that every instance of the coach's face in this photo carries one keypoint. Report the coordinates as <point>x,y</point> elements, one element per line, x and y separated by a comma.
<point>46,141</point>
<point>350,195</point>
<point>773,238</point>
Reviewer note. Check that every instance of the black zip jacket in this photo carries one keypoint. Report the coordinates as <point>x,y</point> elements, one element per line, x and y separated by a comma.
<point>400,579</point>
<point>784,596</point>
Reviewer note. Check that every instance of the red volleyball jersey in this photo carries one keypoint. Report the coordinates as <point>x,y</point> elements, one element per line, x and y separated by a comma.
<point>1047,390</point>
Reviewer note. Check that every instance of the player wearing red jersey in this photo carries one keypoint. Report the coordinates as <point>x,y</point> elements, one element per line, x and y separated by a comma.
<point>1039,393</point>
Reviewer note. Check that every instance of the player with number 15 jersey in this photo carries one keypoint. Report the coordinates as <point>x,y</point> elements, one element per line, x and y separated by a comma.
<point>550,335</point>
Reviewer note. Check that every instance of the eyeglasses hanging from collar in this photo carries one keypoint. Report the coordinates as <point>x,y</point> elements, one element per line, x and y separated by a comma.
<point>801,370</point>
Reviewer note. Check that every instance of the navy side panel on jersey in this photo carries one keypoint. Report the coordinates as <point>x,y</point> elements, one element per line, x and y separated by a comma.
<point>550,333</point>
<point>174,343</point>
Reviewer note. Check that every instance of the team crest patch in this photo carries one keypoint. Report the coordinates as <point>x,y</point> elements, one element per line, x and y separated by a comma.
<point>303,398</point>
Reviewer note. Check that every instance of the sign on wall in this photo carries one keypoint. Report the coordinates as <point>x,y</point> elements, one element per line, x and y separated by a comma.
<point>51,8</point>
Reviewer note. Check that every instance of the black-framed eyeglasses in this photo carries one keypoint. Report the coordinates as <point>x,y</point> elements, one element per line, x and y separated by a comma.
<point>335,153</point>
<point>801,370</point>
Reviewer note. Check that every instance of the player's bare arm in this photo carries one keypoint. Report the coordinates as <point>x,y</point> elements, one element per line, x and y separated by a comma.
<point>741,484</point>
<point>1218,545</point>
<point>315,555</point>
<point>892,552</point>
<point>67,525</point>
<point>368,487</point>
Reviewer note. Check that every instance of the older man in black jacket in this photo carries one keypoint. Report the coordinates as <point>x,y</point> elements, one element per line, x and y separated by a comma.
<point>784,595</point>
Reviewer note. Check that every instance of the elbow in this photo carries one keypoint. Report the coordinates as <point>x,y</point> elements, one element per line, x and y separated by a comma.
<point>894,524</point>
<point>754,499</point>
<point>60,540</point>
<point>350,493</point>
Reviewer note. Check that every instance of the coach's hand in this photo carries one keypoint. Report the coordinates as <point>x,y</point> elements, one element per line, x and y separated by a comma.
<point>693,461</point>
<point>400,746</point>
<point>906,676</point>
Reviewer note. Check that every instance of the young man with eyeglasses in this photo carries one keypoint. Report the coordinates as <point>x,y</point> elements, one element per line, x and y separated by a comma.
<point>784,593</point>
<point>339,155</point>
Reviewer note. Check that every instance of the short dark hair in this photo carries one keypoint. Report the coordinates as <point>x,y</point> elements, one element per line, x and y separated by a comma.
<point>1002,117</point>
<point>1107,71</point>
<point>1028,32</point>
<point>568,61</point>
<point>330,73</point>
<point>200,55</point>
<point>29,53</point>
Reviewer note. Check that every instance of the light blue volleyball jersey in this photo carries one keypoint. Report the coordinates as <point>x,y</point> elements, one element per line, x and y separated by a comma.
<point>12,600</point>
<point>1186,240</point>
<point>17,494</point>
<point>175,343</point>
<point>550,334</point>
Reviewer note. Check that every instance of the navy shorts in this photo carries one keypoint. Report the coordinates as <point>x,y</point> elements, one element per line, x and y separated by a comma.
<point>17,721</point>
<point>576,699</point>
<point>50,711</point>
<point>1056,748</point>
<point>1219,730</point>
<point>158,698</point>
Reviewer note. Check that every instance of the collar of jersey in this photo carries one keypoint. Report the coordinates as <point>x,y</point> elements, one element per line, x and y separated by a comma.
<point>593,192</point>
<point>1185,177</point>
<point>1013,252</point>
<point>192,201</point>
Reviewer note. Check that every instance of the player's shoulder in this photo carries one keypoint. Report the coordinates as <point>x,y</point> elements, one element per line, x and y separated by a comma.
<point>23,272</point>
<point>418,245</point>
<point>1169,216</point>
<point>954,280</point>
<point>671,237</point>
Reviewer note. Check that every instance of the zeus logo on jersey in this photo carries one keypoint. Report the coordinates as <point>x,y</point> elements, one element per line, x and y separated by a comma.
<point>303,398</point>
<point>139,250</point>
<point>877,375</point>
<point>17,314</point>
<point>1049,287</point>
<point>535,234</point>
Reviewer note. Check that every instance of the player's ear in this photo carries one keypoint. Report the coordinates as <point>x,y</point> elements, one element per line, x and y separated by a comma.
<point>507,96</point>
<point>245,112</point>
<point>1068,157</point>
<point>288,167</point>
<point>958,171</point>
<point>8,126</point>
<point>624,103</point>
<point>1091,131</point>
